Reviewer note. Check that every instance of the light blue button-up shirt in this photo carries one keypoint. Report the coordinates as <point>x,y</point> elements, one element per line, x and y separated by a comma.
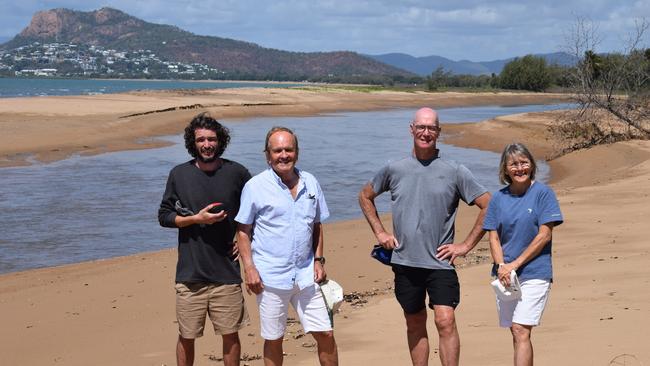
<point>283,227</point>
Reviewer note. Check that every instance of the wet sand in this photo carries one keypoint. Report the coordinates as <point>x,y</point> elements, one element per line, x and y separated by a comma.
<point>52,128</point>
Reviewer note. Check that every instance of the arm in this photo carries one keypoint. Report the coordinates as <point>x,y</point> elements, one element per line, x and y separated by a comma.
<point>497,257</point>
<point>251,275</point>
<point>540,240</point>
<point>495,247</point>
<point>167,213</point>
<point>367,203</point>
<point>203,217</point>
<point>317,239</point>
<point>452,251</point>
<point>168,217</point>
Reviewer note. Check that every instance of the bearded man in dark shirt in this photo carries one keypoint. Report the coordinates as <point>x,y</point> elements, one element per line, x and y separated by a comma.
<point>201,200</point>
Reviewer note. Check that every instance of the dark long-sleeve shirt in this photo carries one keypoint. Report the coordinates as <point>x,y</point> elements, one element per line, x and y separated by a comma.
<point>204,250</point>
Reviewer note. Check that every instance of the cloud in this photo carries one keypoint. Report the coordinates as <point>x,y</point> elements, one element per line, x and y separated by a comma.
<point>463,29</point>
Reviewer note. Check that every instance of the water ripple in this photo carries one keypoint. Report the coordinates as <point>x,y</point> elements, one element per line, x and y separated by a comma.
<point>86,208</point>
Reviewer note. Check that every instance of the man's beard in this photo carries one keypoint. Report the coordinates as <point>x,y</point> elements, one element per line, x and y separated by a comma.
<point>211,159</point>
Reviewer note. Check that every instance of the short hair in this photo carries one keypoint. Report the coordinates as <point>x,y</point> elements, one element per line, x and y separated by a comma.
<point>205,120</point>
<point>275,129</point>
<point>515,149</point>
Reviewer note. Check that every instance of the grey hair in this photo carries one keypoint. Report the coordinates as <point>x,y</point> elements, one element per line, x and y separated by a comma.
<point>275,129</point>
<point>511,150</point>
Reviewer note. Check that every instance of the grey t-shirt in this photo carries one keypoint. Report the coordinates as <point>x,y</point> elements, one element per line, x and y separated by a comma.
<point>424,196</point>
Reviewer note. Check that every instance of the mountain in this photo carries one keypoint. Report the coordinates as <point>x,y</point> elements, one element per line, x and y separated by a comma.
<point>426,65</point>
<point>114,29</point>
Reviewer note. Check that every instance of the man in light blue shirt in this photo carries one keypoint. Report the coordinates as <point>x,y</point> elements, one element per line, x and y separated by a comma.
<point>280,240</point>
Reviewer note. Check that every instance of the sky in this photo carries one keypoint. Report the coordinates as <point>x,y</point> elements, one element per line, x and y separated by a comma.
<point>458,30</point>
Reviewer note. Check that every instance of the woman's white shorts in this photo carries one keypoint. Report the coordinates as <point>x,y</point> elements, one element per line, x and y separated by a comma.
<point>529,309</point>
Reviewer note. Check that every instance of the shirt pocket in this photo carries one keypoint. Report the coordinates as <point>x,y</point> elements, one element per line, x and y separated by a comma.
<point>308,208</point>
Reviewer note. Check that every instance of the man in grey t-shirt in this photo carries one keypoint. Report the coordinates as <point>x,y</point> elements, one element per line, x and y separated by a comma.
<point>425,191</point>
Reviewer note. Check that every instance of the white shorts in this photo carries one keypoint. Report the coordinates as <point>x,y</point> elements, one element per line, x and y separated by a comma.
<point>274,308</point>
<point>529,309</point>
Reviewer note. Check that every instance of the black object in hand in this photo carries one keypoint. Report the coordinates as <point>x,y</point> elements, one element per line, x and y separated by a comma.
<point>218,207</point>
<point>381,254</point>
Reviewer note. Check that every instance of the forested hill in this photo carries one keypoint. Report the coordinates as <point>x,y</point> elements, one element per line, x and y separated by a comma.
<point>114,29</point>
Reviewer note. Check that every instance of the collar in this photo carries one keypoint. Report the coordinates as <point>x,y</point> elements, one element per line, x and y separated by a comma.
<point>426,162</point>
<point>278,180</point>
<point>436,155</point>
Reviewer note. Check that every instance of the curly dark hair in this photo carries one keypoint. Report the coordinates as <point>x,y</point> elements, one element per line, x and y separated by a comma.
<point>204,120</point>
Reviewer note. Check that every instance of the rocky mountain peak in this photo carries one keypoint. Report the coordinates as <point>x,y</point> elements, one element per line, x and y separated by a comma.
<point>46,24</point>
<point>54,23</point>
<point>106,15</point>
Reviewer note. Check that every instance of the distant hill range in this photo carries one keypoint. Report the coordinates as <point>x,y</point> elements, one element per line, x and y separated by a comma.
<point>426,65</point>
<point>114,29</point>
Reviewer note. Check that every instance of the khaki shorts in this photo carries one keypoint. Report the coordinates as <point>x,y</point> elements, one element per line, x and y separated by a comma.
<point>224,304</point>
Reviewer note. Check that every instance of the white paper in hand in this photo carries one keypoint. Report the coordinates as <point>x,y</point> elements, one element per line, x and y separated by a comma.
<point>510,293</point>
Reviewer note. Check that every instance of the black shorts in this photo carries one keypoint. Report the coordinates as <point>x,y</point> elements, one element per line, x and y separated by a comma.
<point>411,284</point>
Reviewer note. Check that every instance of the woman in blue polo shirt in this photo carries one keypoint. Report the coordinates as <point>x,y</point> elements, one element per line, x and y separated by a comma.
<point>520,221</point>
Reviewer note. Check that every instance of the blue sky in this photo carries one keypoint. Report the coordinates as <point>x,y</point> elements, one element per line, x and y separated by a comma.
<point>461,29</point>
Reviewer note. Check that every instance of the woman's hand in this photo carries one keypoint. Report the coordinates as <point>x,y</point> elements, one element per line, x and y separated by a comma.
<point>503,273</point>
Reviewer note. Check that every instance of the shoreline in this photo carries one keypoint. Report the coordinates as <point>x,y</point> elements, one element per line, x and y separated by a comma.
<point>160,245</point>
<point>101,301</point>
<point>46,129</point>
<point>121,311</point>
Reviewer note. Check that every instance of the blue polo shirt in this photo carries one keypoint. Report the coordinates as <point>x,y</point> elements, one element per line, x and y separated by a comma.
<point>517,219</point>
<point>283,227</point>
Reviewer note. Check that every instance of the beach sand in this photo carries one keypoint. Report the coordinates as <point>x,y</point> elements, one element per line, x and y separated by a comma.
<point>52,128</point>
<point>121,310</point>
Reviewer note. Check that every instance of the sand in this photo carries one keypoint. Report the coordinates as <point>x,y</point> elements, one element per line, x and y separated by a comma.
<point>52,128</point>
<point>121,310</point>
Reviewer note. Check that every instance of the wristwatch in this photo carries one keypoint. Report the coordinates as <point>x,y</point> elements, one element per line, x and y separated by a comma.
<point>320,259</point>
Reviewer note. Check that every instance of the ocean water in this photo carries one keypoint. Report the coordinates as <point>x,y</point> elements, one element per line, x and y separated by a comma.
<point>30,87</point>
<point>85,208</point>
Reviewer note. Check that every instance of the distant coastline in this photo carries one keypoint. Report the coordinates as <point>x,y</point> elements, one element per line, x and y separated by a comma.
<point>12,87</point>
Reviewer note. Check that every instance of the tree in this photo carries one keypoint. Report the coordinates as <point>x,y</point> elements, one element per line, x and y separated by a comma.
<point>437,79</point>
<point>611,90</point>
<point>447,79</point>
<point>526,73</point>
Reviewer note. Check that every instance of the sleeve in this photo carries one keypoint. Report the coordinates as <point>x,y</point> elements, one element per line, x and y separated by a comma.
<point>381,181</point>
<point>490,222</point>
<point>247,211</point>
<point>322,212</point>
<point>167,212</point>
<point>549,208</point>
<point>246,176</point>
<point>468,186</point>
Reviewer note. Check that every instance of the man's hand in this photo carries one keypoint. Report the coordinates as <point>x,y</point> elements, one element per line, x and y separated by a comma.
<point>387,240</point>
<point>205,217</point>
<point>452,251</point>
<point>234,252</point>
<point>319,272</point>
<point>253,281</point>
